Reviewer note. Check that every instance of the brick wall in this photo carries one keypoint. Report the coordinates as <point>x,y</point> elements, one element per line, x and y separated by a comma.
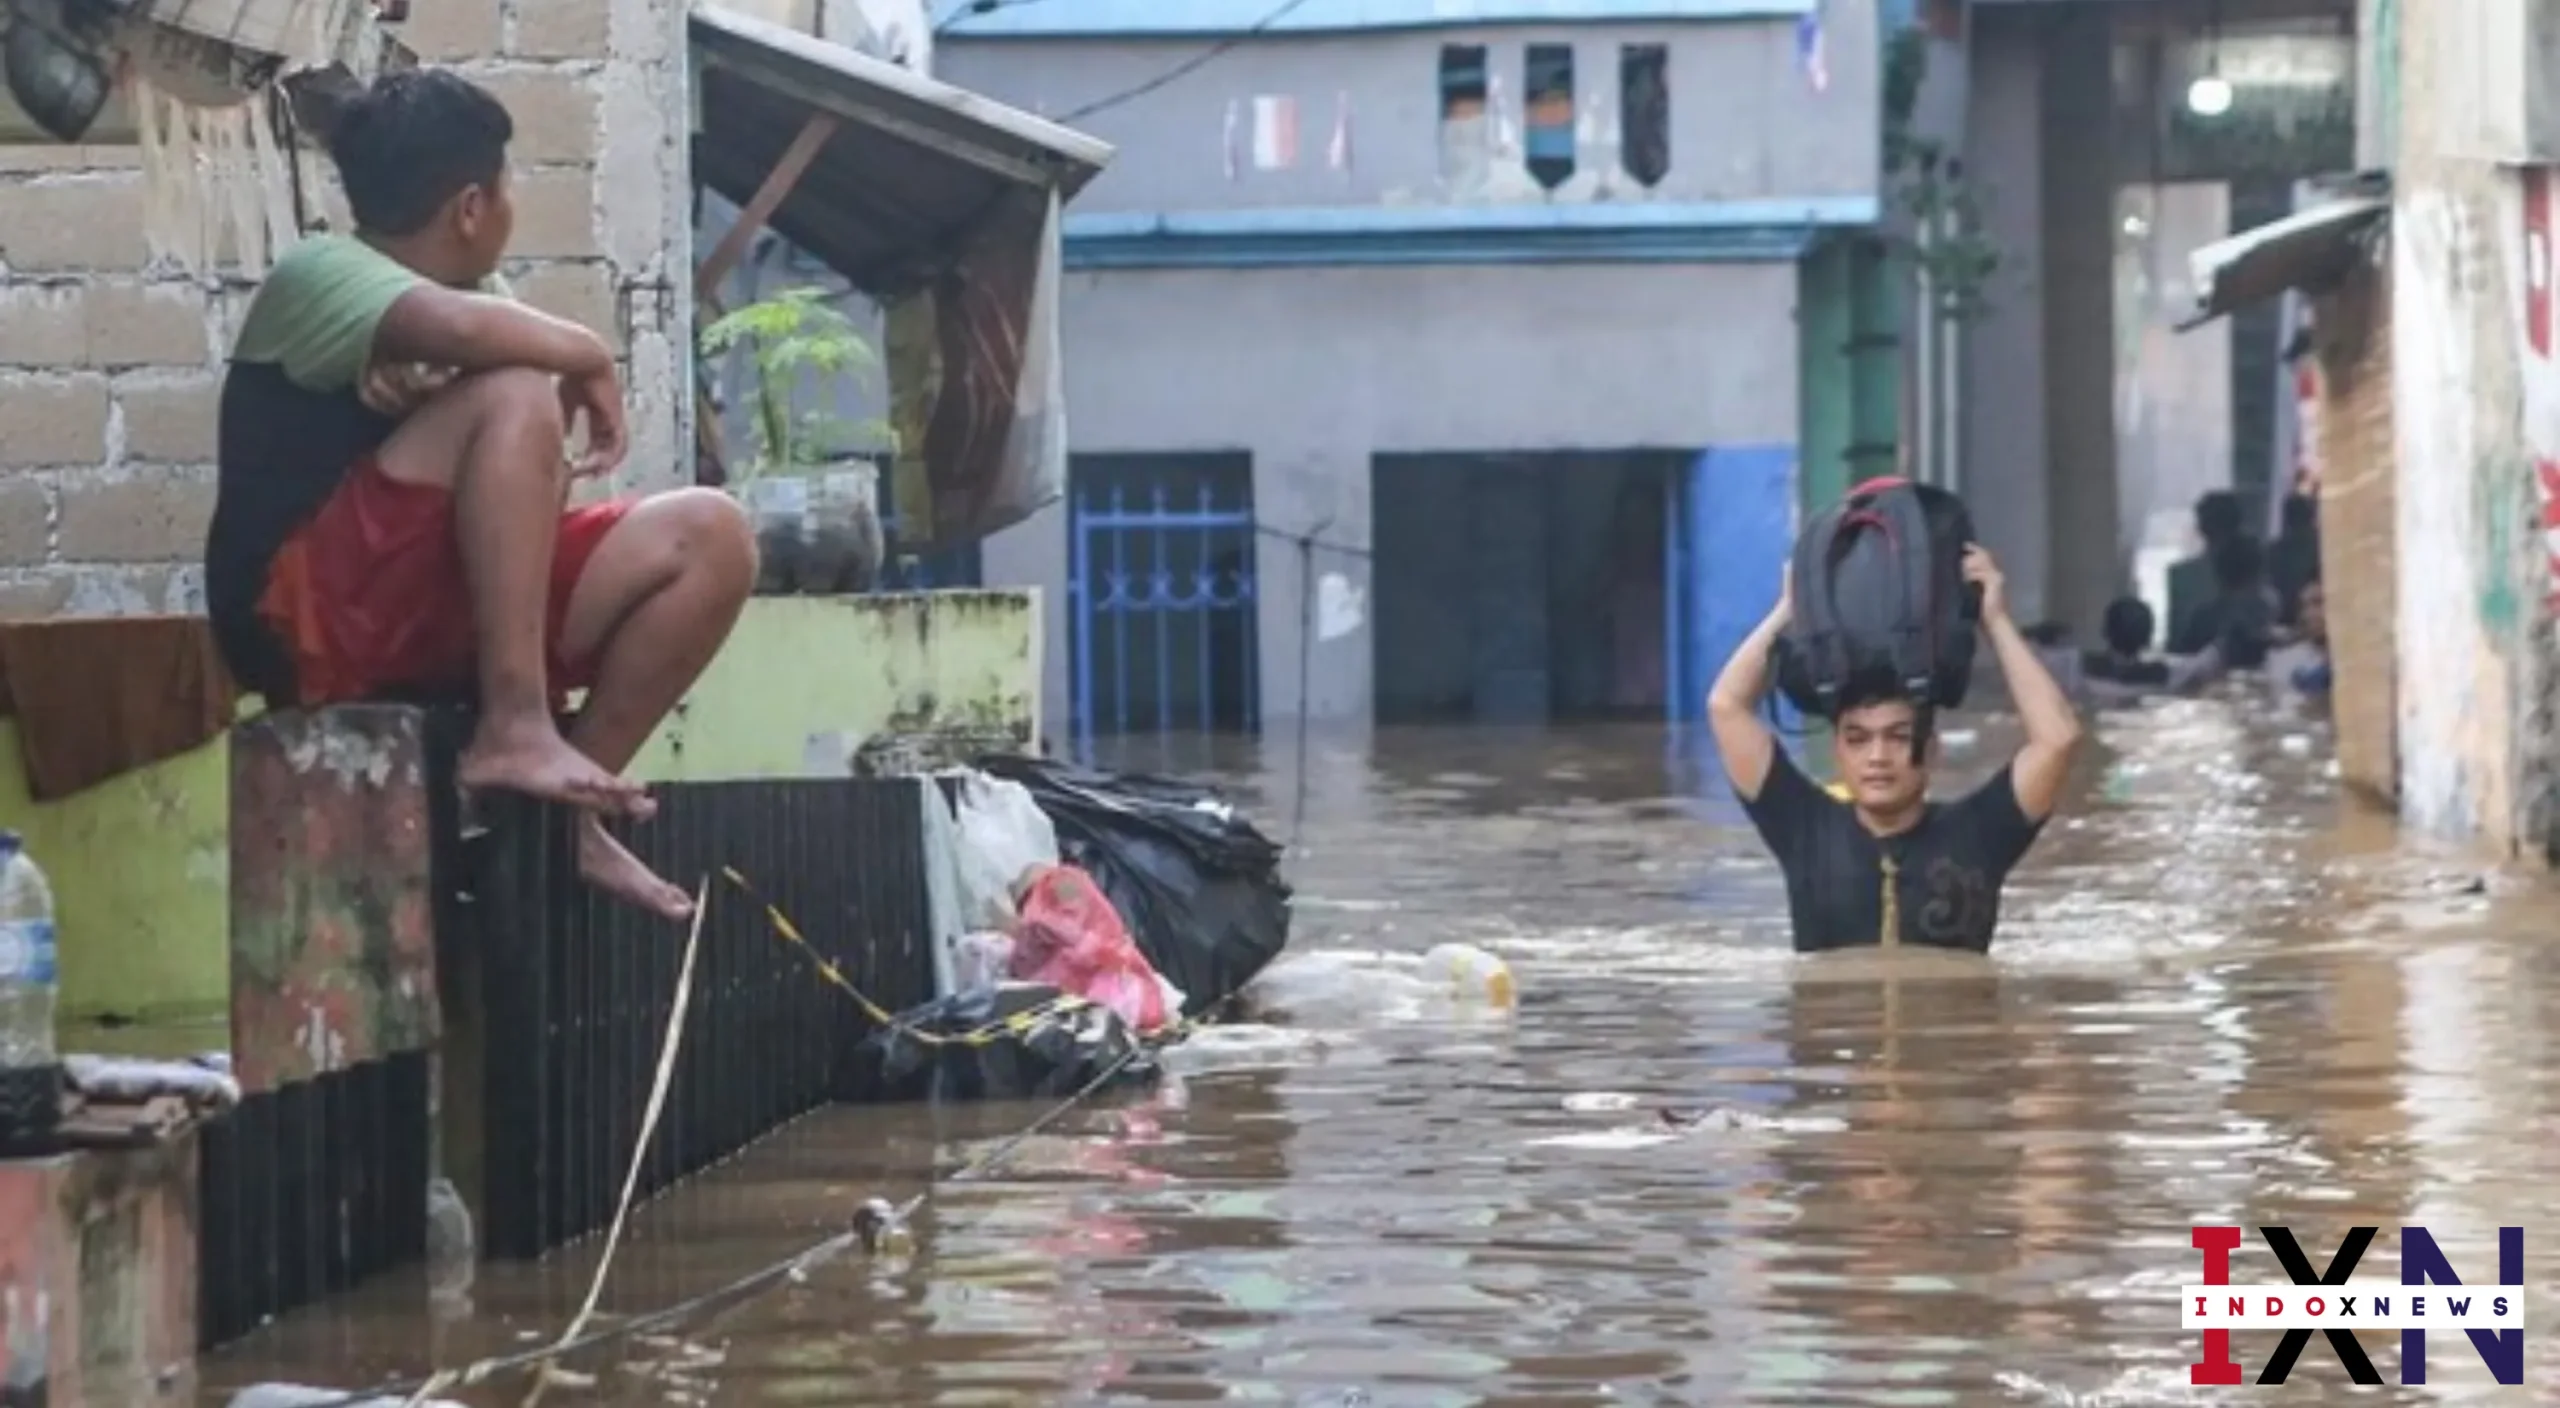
<point>2358,533</point>
<point>109,361</point>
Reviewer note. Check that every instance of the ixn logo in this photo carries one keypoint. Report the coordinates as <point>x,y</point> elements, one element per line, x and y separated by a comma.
<point>2428,1297</point>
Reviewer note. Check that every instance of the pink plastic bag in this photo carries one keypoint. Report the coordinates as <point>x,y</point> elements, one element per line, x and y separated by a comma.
<point>1072,939</point>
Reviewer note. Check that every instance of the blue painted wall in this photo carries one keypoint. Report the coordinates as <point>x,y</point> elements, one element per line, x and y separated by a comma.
<point>1737,525</point>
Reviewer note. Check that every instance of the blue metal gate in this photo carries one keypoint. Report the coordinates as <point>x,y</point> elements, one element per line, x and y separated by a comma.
<point>1160,586</point>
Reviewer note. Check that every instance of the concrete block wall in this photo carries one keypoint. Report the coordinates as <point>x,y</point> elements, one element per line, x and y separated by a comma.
<point>110,360</point>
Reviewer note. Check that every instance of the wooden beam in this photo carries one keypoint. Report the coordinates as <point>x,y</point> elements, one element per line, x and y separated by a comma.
<point>768,198</point>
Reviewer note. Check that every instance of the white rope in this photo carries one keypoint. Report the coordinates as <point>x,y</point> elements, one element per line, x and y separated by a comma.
<point>668,1046</point>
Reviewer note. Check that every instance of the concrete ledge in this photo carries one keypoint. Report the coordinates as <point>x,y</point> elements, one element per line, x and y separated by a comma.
<point>98,1276</point>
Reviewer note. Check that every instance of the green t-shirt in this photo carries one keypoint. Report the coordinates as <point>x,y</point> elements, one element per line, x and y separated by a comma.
<point>294,422</point>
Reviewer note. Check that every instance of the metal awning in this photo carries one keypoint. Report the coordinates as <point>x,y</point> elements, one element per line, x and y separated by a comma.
<point>880,172</point>
<point>2308,249</point>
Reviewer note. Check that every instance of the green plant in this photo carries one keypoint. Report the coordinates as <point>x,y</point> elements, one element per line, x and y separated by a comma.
<point>790,337</point>
<point>1927,184</point>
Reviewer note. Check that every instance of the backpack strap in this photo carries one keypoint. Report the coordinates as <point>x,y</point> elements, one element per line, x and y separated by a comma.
<point>1915,644</point>
<point>1817,612</point>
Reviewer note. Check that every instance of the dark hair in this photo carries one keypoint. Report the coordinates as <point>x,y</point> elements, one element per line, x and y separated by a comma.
<point>2217,515</point>
<point>2129,625</point>
<point>2301,513</point>
<point>2239,562</point>
<point>413,141</point>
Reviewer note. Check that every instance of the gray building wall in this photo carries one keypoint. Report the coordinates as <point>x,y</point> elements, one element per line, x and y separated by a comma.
<point>1313,371</point>
<point>2039,423</point>
<point>1745,122</point>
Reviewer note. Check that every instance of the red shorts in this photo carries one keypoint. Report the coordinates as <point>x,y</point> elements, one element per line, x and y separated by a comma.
<point>369,599</point>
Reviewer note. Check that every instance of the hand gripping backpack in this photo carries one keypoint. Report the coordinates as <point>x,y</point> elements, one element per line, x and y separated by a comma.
<point>1882,610</point>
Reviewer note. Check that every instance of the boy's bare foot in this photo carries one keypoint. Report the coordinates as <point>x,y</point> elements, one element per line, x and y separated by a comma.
<point>606,865</point>
<point>532,758</point>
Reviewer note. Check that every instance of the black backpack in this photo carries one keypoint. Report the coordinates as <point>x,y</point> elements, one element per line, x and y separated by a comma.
<point>1882,610</point>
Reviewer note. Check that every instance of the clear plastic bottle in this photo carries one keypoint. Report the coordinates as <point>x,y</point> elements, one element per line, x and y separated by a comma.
<point>26,961</point>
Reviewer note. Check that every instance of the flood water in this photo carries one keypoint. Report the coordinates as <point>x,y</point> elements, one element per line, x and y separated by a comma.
<point>2221,995</point>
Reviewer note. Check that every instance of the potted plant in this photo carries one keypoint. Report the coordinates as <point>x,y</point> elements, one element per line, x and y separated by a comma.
<point>814,496</point>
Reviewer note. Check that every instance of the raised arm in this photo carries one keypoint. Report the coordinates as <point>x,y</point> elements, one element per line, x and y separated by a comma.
<point>1733,705</point>
<point>2053,727</point>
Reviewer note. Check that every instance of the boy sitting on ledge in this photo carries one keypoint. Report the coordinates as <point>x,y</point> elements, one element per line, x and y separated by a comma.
<point>391,520</point>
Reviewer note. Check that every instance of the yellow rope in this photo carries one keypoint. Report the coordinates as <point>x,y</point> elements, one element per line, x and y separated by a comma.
<point>1890,934</point>
<point>1014,1025</point>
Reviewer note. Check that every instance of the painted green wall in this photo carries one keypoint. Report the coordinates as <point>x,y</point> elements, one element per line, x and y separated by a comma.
<point>1825,398</point>
<point>141,872</point>
<point>141,865</point>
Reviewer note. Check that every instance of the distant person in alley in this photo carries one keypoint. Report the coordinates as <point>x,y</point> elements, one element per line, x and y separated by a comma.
<point>391,520</point>
<point>1889,866</point>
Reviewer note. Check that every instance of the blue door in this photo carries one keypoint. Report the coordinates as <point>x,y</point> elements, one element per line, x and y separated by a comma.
<point>1731,524</point>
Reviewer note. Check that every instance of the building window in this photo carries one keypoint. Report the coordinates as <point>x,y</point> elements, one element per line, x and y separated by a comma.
<point>1644,112</point>
<point>1462,111</point>
<point>1548,134</point>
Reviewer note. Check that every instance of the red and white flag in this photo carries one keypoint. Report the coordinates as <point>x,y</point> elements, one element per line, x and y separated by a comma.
<point>1275,132</point>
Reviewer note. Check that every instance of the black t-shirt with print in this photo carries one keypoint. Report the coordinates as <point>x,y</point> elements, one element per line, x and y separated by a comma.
<point>1948,870</point>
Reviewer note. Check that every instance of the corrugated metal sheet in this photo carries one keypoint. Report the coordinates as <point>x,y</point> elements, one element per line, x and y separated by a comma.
<point>577,988</point>
<point>309,1189</point>
<point>897,194</point>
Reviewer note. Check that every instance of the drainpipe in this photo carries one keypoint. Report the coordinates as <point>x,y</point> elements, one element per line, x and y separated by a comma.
<point>1950,334</point>
<point>1924,351</point>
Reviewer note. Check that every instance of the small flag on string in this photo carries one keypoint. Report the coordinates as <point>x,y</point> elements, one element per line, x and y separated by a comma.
<point>1338,153</point>
<point>1275,132</point>
<point>1227,139</point>
<point>1809,51</point>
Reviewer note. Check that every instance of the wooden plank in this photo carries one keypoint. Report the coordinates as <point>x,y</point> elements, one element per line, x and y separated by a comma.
<point>768,198</point>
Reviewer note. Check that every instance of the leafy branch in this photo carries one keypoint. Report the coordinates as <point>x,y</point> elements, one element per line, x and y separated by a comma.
<point>1927,183</point>
<point>797,334</point>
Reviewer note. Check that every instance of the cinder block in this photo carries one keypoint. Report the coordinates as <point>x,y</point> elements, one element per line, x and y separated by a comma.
<point>545,29</point>
<point>72,223</point>
<point>555,213</point>
<point>555,112</point>
<point>52,420</point>
<point>26,524</point>
<point>134,515</point>
<point>579,290</point>
<point>453,29</point>
<point>171,420</point>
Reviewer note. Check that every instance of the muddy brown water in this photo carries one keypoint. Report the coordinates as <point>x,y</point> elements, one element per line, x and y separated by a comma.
<point>2221,995</point>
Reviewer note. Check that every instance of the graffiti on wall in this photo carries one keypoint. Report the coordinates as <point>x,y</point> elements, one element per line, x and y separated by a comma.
<point>2541,373</point>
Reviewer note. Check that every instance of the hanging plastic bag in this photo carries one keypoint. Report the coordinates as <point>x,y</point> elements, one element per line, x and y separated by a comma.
<point>1198,886</point>
<point>1003,837</point>
<point>1061,1051</point>
<point>1071,939</point>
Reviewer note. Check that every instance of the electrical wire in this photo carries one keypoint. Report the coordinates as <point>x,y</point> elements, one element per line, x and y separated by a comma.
<point>1187,67</point>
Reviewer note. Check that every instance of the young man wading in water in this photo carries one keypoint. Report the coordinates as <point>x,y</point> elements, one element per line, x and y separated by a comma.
<point>1888,866</point>
<point>391,521</point>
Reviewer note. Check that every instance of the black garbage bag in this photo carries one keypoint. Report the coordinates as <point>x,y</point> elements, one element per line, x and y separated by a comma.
<point>1051,1057</point>
<point>1197,884</point>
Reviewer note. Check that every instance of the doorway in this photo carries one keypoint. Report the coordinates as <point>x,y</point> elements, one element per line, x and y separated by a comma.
<point>1522,588</point>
